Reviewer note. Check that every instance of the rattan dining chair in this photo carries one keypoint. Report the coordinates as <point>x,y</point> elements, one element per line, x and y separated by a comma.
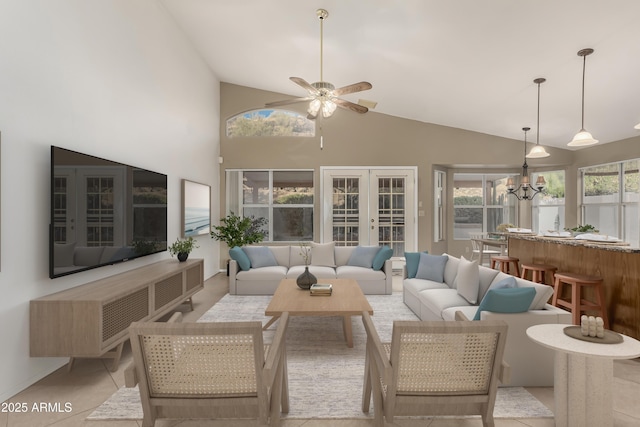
<point>434,368</point>
<point>209,370</point>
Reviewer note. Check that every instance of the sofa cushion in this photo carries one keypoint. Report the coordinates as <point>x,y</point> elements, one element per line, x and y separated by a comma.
<point>414,286</point>
<point>468,280</point>
<point>506,300</point>
<point>263,274</point>
<point>343,253</point>
<point>240,256</point>
<point>437,300</point>
<point>260,256</point>
<point>281,254</point>
<point>320,271</point>
<point>451,271</point>
<point>323,254</point>
<point>412,260</point>
<point>431,267</point>
<point>487,276</point>
<point>362,273</point>
<point>363,256</point>
<point>381,257</point>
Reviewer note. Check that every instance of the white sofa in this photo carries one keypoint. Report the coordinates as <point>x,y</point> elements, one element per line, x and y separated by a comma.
<point>265,280</point>
<point>531,364</point>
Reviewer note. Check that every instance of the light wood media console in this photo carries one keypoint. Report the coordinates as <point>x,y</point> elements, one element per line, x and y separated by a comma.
<point>92,320</point>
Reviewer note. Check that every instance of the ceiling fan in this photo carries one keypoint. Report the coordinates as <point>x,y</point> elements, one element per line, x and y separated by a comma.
<point>323,96</point>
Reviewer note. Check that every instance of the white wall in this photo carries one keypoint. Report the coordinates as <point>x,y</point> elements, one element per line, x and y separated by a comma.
<point>111,78</point>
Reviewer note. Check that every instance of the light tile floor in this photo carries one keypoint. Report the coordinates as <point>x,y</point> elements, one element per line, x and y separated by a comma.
<point>90,383</point>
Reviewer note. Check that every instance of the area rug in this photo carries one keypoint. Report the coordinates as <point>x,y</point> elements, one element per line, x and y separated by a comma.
<point>325,376</point>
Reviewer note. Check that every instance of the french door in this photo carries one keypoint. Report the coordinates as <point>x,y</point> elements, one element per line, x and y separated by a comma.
<point>367,206</point>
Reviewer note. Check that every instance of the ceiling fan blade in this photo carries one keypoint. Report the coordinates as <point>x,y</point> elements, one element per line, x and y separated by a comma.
<point>287,102</point>
<point>312,116</point>
<point>304,84</point>
<point>356,87</point>
<point>342,103</point>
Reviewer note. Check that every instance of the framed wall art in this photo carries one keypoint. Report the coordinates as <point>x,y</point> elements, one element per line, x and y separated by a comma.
<point>196,208</point>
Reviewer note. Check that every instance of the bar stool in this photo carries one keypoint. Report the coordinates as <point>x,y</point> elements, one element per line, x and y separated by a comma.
<point>538,272</point>
<point>505,262</point>
<point>578,303</point>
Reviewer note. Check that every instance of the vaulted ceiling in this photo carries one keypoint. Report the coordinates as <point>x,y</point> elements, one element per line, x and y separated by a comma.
<point>468,64</point>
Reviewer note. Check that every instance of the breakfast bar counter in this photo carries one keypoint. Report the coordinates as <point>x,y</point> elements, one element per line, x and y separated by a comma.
<point>618,265</point>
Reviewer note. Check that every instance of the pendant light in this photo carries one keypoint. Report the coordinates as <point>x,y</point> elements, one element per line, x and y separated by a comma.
<point>538,150</point>
<point>583,138</point>
<point>525,186</point>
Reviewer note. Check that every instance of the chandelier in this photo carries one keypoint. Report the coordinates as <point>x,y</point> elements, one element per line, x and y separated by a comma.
<point>528,191</point>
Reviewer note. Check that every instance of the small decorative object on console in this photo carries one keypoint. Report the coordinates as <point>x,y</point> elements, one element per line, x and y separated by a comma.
<point>183,248</point>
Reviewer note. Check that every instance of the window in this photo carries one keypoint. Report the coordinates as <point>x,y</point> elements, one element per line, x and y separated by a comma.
<point>480,204</point>
<point>283,197</point>
<point>548,206</point>
<point>439,178</point>
<point>610,197</point>
<point>270,122</point>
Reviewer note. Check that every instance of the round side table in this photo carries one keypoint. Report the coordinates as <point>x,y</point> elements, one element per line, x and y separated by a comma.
<point>583,375</point>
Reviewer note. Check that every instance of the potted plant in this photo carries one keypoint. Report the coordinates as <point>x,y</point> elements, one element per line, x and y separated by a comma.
<point>182,248</point>
<point>239,231</point>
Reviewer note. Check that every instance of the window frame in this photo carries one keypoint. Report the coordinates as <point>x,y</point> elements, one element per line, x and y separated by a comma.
<point>235,200</point>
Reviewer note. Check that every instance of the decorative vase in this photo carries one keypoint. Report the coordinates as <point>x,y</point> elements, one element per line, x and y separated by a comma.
<point>306,279</point>
<point>182,256</point>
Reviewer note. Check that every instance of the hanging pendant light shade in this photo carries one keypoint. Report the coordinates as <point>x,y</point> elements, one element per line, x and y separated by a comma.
<point>583,138</point>
<point>538,150</point>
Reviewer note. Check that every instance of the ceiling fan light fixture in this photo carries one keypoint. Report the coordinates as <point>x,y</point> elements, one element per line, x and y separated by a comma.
<point>637,126</point>
<point>583,138</point>
<point>328,107</point>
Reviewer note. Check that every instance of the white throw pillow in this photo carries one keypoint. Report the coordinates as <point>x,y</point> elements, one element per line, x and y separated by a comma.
<point>468,280</point>
<point>323,254</point>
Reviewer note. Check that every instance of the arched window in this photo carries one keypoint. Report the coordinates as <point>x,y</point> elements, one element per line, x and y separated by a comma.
<point>270,122</point>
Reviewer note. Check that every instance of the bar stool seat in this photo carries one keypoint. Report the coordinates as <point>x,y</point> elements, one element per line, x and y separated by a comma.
<point>538,272</point>
<point>578,304</point>
<point>504,263</point>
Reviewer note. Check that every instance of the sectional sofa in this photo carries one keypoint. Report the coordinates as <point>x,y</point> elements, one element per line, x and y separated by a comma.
<point>268,265</point>
<point>454,284</point>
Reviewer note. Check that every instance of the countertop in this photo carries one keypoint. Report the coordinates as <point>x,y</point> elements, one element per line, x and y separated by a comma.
<point>620,247</point>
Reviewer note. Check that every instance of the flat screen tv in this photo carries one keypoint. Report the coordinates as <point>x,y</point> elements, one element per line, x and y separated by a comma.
<point>103,212</point>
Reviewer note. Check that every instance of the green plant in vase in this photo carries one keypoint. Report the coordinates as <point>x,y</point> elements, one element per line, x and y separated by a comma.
<point>182,248</point>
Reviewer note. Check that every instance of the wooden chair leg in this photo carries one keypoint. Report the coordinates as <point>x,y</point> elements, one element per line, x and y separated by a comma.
<point>366,386</point>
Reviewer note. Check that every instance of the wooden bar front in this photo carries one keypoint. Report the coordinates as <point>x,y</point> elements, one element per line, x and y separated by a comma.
<point>619,267</point>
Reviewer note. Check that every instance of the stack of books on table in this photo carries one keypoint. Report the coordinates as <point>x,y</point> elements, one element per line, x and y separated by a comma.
<point>321,289</point>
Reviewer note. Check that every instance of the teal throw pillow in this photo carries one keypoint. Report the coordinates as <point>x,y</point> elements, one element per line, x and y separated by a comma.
<point>412,259</point>
<point>508,282</point>
<point>238,255</point>
<point>383,254</point>
<point>431,267</point>
<point>362,256</point>
<point>260,256</point>
<point>506,300</point>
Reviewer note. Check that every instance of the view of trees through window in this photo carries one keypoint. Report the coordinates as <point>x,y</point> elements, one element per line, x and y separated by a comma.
<point>610,198</point>
<point>270,122</point>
